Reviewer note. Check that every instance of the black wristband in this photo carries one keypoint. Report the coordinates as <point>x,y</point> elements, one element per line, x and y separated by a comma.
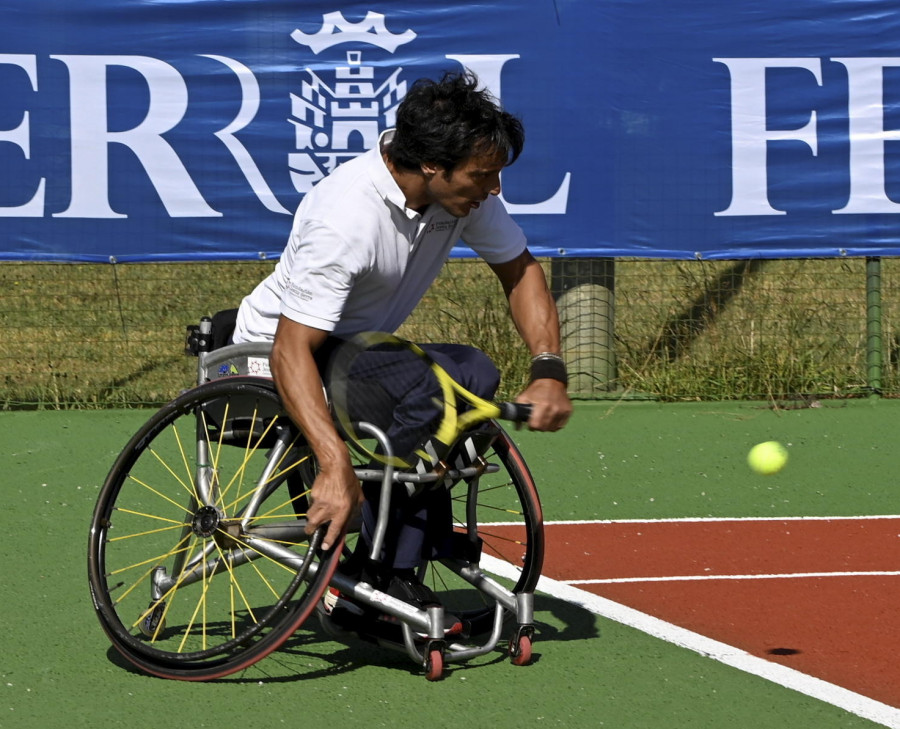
<point>549,367</point>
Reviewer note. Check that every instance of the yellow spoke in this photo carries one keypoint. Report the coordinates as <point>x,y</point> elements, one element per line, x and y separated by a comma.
<point>291,516</point>
<point>247,447</point>
<point>213,483</point>
<point>153,560</point>
<point>275,510</point>
<point>139,581</point>
<point>232,507</point>
<point>218,449</point>
<point>501,509</point>
<point>239,472</point>
<point>146,533</point>
<point>233,612</point>
<point>237,586</point>
<point>486,490</point>
<point>184,459</point>
<point>249,547</point>
<point>166,599</point>
<point>156,517</point>
<point>200,602</point>
<point>144,577</point>
<point>165,464</point>
<point>152,490</point>
<point>265,580</point>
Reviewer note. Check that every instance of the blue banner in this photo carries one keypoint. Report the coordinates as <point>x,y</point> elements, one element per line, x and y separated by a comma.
<point>171,130</point>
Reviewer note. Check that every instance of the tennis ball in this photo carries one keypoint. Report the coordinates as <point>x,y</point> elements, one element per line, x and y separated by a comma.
<point>767,458</point>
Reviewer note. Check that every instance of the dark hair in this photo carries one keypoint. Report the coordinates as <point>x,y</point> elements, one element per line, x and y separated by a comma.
<point>445,122</point>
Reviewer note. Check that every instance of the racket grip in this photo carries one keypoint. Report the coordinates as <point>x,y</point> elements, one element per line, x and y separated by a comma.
<point>518,412</point>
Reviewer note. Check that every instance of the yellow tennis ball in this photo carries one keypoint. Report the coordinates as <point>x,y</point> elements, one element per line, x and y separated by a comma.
<point>767,458</point>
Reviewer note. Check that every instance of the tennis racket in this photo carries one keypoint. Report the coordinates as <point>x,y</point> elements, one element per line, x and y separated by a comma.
<point>394,384</point>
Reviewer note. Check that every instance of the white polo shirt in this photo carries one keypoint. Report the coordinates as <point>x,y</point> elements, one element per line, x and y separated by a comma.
<point>359,260</point>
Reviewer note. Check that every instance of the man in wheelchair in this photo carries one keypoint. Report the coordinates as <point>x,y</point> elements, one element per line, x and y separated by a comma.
<point>365,245</point>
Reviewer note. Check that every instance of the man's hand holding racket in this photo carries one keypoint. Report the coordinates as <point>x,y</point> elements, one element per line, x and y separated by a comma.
<point>550,404</point>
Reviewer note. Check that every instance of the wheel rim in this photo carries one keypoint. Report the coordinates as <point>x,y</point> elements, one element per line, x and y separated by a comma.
<point>198,557</point>
<point>506,508</point>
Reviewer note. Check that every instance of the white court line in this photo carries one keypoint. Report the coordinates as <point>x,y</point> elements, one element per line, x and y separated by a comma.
<point>714,520</point>
<point>704,578</point>
<point>816,688</point>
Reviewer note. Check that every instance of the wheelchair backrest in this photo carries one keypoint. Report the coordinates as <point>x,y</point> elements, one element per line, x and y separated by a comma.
<point>209,341</point>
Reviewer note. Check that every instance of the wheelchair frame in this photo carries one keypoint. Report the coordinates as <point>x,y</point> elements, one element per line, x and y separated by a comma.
<point>235,413</point>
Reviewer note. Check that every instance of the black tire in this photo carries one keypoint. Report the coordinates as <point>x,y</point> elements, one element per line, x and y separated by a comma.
<point>191,586</point>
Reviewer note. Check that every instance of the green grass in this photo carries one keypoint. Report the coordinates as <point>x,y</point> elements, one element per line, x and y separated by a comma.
<point>112,335</point>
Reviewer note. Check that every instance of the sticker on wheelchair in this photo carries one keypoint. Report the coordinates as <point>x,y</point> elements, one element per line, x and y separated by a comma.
<point>255,366</point>
<point>258,366</point>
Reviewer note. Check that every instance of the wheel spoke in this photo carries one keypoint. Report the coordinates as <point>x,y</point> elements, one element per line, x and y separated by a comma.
<point>210,571</point>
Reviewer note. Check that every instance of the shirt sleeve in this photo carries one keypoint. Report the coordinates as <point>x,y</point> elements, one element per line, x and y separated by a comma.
<point>320,278</point>
<point>491,232</point>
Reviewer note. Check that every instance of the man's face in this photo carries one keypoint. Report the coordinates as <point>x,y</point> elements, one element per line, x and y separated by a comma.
<point>468,185</point>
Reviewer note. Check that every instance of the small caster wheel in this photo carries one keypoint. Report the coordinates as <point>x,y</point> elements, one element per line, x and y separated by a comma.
<point>520,650</point>
<point>434,665</point>
<point>154,622</point>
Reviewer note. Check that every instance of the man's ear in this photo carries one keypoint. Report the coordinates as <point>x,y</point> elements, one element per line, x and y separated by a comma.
<point>429,169</point>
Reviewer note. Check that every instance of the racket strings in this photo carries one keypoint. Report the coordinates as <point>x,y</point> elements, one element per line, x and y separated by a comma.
<point>392,387</point>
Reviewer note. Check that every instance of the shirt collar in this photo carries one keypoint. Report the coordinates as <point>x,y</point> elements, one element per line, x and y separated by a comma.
<point>384,181</point>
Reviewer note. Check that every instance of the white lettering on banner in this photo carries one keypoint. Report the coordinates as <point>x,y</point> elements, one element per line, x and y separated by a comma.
<point>91,137</point>
<point>332,122</point>
<point>865,78</point>
<point>20,136</point>
<point>249,106</point>
<point>749,134</point>
<point>867,136</point>
<point>488,68</point>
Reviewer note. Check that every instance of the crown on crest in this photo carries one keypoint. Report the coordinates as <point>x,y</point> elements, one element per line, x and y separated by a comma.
<point>337,29</point>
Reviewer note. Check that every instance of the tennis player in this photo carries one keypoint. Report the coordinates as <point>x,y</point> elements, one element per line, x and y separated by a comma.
<point>366,243</point>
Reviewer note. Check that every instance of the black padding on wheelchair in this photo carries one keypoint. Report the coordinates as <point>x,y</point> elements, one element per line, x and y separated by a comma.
<point>223,323</point>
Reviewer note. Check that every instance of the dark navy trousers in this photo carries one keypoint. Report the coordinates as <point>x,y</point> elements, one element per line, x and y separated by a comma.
<point>419,527</point>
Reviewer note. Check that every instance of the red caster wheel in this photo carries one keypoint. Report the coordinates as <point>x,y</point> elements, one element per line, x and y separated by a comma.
<point>520,650</point>
<point>434,665</point>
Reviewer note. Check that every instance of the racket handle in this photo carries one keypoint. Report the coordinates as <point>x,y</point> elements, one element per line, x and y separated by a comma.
<point>518,412</point>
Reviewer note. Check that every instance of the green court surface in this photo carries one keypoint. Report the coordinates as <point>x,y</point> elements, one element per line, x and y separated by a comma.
<point>615,461</point>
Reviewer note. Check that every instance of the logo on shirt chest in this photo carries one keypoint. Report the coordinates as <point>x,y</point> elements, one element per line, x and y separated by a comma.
<point>440,226</point>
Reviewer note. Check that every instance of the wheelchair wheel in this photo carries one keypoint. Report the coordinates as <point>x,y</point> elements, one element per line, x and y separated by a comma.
<point>496,515</point>
<point>198,561</point>
<point>498,526</point>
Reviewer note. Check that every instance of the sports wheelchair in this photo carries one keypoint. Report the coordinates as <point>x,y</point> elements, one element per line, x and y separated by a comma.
<point>199,565</point>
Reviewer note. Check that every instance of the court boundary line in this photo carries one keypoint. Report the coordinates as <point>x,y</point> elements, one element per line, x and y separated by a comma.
<point>790,678</point>
<point>748,577</point>
<point>714,519</point>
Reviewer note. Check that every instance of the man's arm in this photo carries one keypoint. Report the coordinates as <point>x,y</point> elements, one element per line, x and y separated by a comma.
<point>336,493</point>
<point>534,313</point>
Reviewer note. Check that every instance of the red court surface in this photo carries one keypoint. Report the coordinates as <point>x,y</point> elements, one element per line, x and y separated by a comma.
<point>816,595</point>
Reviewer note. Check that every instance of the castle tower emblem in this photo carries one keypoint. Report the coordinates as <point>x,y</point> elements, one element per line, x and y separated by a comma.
<point>335,121</point>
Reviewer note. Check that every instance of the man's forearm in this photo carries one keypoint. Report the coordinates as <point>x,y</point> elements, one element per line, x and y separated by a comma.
<point>534,312</point>
<point>299,385</point>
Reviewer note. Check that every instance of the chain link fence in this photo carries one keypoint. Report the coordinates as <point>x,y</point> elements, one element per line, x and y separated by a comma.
<point>77,335</point>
